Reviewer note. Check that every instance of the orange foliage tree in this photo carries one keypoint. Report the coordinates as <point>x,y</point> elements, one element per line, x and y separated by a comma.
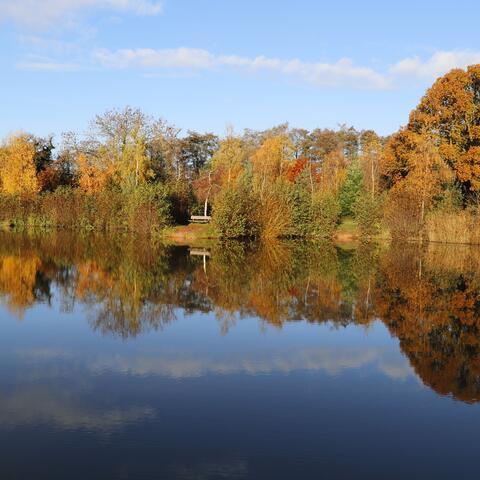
<point>449,115</point>
<point>92,178</point>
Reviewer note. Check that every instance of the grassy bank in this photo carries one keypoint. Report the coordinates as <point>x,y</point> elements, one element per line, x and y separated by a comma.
<point>187,233</point>
<point>347,231</point>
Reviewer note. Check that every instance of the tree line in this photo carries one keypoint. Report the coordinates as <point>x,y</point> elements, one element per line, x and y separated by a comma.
<point>134,172</point>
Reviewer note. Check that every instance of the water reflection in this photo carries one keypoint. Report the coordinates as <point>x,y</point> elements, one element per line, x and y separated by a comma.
<point>428,297</point>
<point>236,360</point>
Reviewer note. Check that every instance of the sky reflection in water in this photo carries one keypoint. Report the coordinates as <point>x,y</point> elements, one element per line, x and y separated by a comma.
<point>288,360</point>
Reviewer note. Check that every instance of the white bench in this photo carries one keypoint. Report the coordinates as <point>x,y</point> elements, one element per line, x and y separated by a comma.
<point>200,219</point>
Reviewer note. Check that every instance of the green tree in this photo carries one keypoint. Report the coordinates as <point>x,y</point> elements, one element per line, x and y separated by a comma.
<point>351,189</point>
<point>196,150</point>
<point>301,205</point>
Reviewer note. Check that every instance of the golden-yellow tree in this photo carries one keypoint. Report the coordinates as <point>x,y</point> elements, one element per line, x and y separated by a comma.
<point>417,174</point>
<point>223,171</point>
<point>17,167</point>
<point>229,159</point>
<point>123,146</point>
<point>428,172</point>
<point>270,160</point>
<point>333,171</point>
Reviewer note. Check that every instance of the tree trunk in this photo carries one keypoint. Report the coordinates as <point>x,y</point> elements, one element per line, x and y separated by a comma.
<point>136,170</point>
<point>205,208</point>
<point>372,172</point>
<point>311,178</point>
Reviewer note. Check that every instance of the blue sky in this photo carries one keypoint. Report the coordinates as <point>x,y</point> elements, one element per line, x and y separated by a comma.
<point>206,64</point>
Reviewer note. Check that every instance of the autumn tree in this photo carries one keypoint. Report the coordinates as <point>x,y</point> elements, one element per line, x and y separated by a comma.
<point>301,142</point>
<point>350,141</point>
<point>449,115</point>
<point>164,149</point>
<point>417,173</point>
<point>371,151</point>
<point>428,173</point>
<point>17,166</point>
<point>332,171</point>
<point>92,176</point>
<point>122,138</point>
<point>322,142</point>
<point>222,171</point>
<point>296,168</point>
<point>270,160</point>
<point>229,159</point>
<point>253,139</point>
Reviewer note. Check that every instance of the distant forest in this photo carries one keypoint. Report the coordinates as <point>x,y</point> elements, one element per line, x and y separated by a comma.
<point>136,173</point>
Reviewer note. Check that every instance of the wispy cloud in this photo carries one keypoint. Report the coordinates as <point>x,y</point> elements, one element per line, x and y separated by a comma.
<point>331,360</point>
<point>45,12</point>
<point>49,66</point>
<point>341,73</point>
<point>437,64</point>
<point>187,62</point>
<point>33,404</point>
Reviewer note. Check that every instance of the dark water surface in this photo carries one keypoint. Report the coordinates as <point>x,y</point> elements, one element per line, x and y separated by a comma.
<point>119,359</point>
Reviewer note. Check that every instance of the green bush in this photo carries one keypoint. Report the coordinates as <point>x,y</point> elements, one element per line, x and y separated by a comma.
<point>147,208</point>
<point>233,214</point>
<point>368,214</point>
<point>325,214</point>
<point>301,207</point>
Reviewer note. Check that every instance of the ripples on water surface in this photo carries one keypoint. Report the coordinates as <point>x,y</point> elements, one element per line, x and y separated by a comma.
<point>120,359</point>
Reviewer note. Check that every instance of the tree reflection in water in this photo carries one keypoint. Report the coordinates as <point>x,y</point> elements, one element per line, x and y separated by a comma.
<point>427,296</point>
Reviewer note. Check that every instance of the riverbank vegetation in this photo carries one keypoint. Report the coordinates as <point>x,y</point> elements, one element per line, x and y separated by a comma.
<point>135,173</point>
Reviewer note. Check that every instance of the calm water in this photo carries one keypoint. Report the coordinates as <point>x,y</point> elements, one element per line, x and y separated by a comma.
<point>120,359</point>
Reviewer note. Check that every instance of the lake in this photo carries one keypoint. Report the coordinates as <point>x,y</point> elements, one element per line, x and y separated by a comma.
<point>121,358</point>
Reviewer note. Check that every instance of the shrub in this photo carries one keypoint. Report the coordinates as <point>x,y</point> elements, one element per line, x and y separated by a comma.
<point>145,208</point>
<point>325,214</point>
<point>367,214</point>
<point>402,215</point>
<point>301,206</point>
<point>233,214</point>
<point>274,212</point>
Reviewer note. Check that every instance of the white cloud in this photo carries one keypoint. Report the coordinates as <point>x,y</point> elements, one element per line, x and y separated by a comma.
<point>438,64</point>
<point>156,59</point>
<point>340,73</point>
<point>45,12</point>
<point>185,62</point>
<point>49,66</point>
